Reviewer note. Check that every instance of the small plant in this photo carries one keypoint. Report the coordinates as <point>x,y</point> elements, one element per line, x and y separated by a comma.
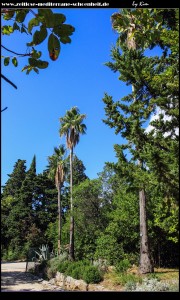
<point>51,272</point>
<point>122,265</point>
<point>124,278</point>
<point>153,276</point>
<point>130,286</point>
<point>44,253</point>
<point>152,285</point>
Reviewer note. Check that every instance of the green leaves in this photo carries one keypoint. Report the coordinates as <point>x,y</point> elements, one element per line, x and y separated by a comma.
<point>40,36</point>
<point>47,15</point>
<point>8,15</point>
<point>38,63</point>
<point>53,46</point>
<point>7,29</point>
<point>32,23</point>
<point>16,26</point>
<point>64,30</point>
<point>50,25</point>
<point>58,19</point>
<point>6,61</point>
<point>35,64</point>
<point>14,61</point>
<point>21,15</point>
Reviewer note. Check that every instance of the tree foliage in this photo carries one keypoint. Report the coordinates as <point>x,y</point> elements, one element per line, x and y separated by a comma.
<point>39,25</point>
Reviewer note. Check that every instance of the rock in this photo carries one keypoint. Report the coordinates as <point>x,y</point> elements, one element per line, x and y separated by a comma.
<point>94,287</point>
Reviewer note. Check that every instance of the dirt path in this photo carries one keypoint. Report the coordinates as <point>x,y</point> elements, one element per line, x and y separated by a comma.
<point>15,279</point>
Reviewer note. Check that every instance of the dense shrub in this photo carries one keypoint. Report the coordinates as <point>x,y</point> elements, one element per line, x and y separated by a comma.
<point>91,274</point>
<point>77,269</point>
<point>62,266</point>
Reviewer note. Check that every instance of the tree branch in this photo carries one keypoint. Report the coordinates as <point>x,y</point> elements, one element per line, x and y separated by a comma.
<point>3,109</point>
<point>15,52</point>
<point>10,82</point>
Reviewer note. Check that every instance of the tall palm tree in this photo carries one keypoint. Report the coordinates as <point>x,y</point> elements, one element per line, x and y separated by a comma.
<point>57,170</point>
<point>125,24</point>
<point>71,127</point>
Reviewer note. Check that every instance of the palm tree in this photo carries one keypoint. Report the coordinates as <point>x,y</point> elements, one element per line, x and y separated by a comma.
<point>125,24</point>
<point>57,170</point>
<point>71,128</point>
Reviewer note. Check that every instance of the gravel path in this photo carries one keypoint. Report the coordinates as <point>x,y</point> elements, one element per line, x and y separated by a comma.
<point>15,279</point>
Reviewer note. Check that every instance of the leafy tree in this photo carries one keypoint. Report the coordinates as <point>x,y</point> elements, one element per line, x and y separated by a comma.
<point>120,238</point>
<point>71,128</point>
<point>89,219</point>
<point>57,168</point>
<point>48,25</point>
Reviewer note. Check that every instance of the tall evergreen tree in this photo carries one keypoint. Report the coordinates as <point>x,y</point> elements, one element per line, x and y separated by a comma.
<point>15,180</point>
<point>138,30</point>
<point>78,171</point>
<point>9,199</point>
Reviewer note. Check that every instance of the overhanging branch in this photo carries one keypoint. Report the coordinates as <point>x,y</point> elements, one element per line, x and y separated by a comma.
<point>9,81</point>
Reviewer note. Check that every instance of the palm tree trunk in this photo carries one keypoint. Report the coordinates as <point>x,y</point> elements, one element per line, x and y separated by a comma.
<point>59,219</point>
<point>71,243</point>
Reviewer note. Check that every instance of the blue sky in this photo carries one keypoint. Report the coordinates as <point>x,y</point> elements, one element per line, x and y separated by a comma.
<point>79,78</point>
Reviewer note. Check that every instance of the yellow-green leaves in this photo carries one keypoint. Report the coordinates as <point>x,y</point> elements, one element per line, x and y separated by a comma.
<point>7,29</point>
<point>14,61</point>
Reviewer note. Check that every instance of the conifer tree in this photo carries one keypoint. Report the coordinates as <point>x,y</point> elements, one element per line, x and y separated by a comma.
<point>141,29</point>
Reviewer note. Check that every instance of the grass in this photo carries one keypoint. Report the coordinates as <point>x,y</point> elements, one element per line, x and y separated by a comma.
<point>167,274</point>
<point>119,280</point>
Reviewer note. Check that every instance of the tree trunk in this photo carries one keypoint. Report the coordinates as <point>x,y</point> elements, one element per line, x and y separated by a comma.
<point>71,244</point>
<point>145,265</point>
<point>59,219</point>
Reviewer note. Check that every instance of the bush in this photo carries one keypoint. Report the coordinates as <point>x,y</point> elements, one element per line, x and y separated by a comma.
<point>76,269</point>
<point>91,274</point>
<point>122,266</point>
<point>62,266</point>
